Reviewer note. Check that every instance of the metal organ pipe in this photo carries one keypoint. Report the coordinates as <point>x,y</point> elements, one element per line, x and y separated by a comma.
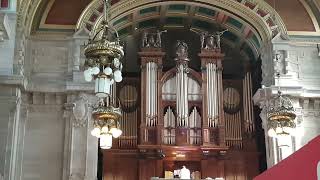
<point>186,109</point>
<point>147,95</point>
<point>251,104</point>
<point>245,103</point>
<point>209,95</point>
<point>151,94</point>
<point>215,95</point>
<point>248,106</point>
<point>212,94</point>
<point>182,95</point>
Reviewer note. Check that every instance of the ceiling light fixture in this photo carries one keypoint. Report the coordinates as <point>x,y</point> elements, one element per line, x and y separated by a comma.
<point>281,114</point>
<point>103,53</point>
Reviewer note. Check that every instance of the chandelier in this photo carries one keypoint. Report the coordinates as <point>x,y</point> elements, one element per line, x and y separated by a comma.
<point>103,53</point>
<point>106,117</point>
<point>281,117</point>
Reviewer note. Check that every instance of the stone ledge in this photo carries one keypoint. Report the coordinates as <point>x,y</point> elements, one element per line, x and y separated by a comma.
<point>17,80</point>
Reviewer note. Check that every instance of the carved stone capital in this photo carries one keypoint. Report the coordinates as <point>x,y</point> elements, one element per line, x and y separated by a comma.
<point>6,25</point>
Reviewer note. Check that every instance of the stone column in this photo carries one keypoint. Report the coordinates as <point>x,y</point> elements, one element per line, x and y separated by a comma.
<point>213,120</point>
<point>277,149</point>
<point>81,148</point>
<point>7,41</point>
<point>12,118</point>
<point>151,115</point>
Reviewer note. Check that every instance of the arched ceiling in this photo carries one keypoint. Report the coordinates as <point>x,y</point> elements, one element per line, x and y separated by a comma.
<point>196,16</point>
<point>202,15</point>
<point>299,16</point>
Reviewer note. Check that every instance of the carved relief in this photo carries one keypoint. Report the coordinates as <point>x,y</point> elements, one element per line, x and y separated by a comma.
<point>181,51</point>
<point>211,41</point>
<point>279,62</point>
<point>267,66</point>
<point>49,59</point>
<point>80,111</point>
<point>152,39</point>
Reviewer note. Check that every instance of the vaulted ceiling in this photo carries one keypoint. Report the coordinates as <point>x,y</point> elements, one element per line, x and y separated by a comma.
<point>298,15</point>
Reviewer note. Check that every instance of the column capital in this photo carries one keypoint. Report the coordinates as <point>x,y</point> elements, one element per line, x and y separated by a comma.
<point>211,56</point>
<point>151,55</point>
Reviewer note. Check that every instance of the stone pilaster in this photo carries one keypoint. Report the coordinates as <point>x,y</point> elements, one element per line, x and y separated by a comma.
<point>80,147</point>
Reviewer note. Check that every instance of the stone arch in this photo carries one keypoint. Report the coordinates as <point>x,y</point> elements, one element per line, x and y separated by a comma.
<point>258,16</point>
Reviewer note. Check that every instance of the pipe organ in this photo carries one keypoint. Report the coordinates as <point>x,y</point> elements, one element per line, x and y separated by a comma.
<point>128,96</point>
<point>186,117</point>
<point>151,124</point>
<point>248,104</point>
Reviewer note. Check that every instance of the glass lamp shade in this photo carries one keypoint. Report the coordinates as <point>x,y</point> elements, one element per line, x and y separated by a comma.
<point>96,132</point>
<point>88,75</point>
<point>117,73</point>
<point>107,70</point>
<point>106,141</point>
<point>95,70</point>
<point>278,130</point>
<point>105,129</point>
<point>102,87</point>
<point>272,132</point>
<point>288,130</point>
<point>118,78</point>
<point>115,132</point>
<point>111,81</point>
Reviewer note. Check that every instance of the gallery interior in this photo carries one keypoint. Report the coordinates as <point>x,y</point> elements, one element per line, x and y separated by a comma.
<point>156,89</point>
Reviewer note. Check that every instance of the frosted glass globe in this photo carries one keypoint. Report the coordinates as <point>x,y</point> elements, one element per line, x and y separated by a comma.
<point>88,72</point>
<point>88,77</point>
<point>117,73</point>
<point>106,141</point>
<point>115,132</point>
<point>104,129</point>
<point>278,130</point>
<point>95,70</point>
<point>107,70</point>
<point>272,133</point>
<point>118,78</point>
<point>116,62</point>
<point>95,132</point>
<point>288,130</point>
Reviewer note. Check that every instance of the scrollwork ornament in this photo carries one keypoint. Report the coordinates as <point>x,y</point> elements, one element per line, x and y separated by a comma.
<point>80,111</point>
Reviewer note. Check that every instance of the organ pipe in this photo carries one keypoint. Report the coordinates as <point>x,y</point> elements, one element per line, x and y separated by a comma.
<point>151,94</point>
<point>182,95</point>
<point>195,123</point>
<point>128,121</point>
<point>247,103</point>
<point>212,94</point>
<point>169,124</point>
<point>233,129</point>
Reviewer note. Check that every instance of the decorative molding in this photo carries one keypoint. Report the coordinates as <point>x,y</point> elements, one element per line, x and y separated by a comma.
<point>266,31</point>
<point>80,111</point>
<point>12,80</point>
<point>6,30</point>
<point>49,58</point>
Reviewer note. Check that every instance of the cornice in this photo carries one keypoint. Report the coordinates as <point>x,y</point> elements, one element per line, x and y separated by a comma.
<point>17,80</point>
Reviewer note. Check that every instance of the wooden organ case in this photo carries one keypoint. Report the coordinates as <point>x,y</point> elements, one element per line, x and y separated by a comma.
<point>184,117</point>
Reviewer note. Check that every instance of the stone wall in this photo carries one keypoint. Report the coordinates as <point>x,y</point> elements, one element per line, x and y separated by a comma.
<point>297,61</point>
